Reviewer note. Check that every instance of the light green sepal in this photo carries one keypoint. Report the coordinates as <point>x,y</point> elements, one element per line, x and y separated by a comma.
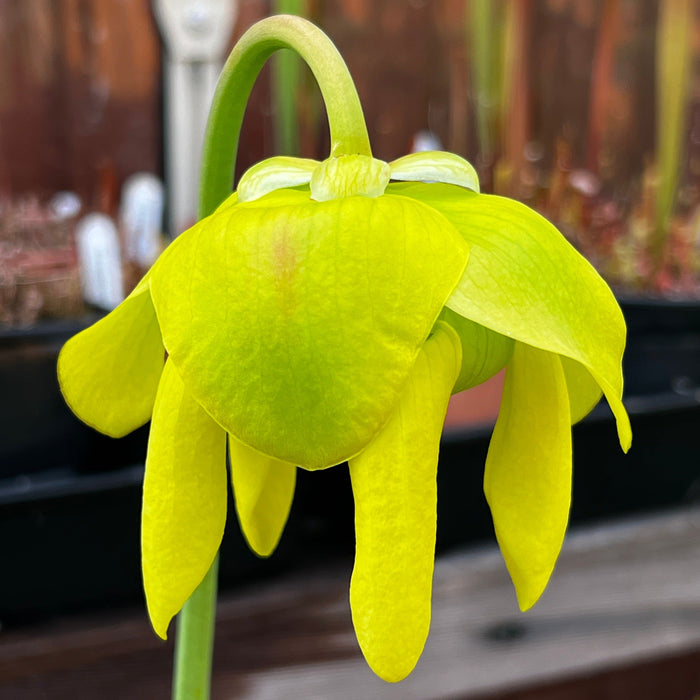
<point>109,372</point>
<point>394,485</point>
<point>184,500</point>
<point>349,176</point>
<point>263,488</point>
<point>274,174</point>
<point>526,281</point>
<point>484,352</point>
<point>295,323</point>
<point>527,480</point>
<point>435,166</point>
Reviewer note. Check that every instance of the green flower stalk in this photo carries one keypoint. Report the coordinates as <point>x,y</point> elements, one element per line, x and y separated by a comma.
<point>286,86</point>
<point>324,313</point>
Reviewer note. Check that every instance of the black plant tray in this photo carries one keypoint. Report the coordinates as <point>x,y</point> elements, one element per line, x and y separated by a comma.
<point>663,346</point>
<point>70,498</point>
<point>71,540</point>
<point>37,430</point>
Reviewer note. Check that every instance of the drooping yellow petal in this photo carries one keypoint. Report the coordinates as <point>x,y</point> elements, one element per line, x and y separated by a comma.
<point>525,280</point>
<point>184,499</point>
<point>527,480</point>
<point>109,372</point>
<point>263,488</point>
<point>394,485</point>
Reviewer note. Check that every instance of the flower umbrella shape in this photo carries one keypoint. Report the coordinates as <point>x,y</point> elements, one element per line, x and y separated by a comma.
<point>331,321</point>
<point>325,313</point>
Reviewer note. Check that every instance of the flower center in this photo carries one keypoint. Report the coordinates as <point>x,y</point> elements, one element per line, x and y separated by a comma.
<point>349,175</point>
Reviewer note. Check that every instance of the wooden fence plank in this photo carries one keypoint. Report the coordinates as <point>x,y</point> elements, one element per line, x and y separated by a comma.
<point>79,86</point>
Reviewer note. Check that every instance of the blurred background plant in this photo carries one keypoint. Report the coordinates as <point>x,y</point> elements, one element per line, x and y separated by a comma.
<point>587,110</point>
<point>592,109</point>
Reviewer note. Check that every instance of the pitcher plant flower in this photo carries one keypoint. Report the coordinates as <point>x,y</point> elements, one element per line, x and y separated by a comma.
<point>324,313</point>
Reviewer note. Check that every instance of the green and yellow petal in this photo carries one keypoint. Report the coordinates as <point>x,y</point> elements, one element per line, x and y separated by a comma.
<point>295,323</point>
<point>524,280</point>
<point>109,372</point>
<point>527,480</point>
<point>394,485</point>
<point>184,499</point>
<point>263,489</point>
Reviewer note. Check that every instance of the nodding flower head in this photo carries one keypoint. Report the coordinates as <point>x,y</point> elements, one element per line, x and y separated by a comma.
<point>324,313</point>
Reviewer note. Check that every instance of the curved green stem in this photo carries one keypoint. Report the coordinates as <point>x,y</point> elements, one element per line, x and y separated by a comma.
<point>194,644</point>
<point>345,117</point>
<point>286,84</point>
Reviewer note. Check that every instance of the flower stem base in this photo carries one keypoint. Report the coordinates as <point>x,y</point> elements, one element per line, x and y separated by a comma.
<point>194,644</point>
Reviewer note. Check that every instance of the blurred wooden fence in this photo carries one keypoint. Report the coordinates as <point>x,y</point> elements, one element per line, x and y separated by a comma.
<point>79,90</point>
<point>80,93</point>
<point>80,82</point>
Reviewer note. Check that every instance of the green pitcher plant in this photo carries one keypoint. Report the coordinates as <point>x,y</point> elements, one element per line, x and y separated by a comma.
<point>324,313</point>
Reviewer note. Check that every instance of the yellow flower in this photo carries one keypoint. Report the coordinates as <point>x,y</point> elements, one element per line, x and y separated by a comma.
<point>324,313</point>
<point>314,332</point>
